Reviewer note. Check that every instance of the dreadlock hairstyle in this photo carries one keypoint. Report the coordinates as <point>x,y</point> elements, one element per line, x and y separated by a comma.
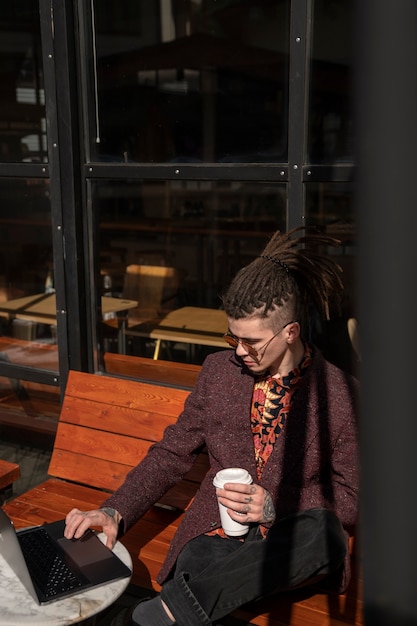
<point>289,274</point>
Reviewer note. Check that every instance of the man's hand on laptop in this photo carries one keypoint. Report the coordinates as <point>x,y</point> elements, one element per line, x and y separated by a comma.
<point>77,522</point>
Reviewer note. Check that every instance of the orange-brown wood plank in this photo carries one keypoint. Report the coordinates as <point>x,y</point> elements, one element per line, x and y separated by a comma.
<point>108,475</point>
<point>126,420</point>
<point>125,449</point>
<point>302,608</point>
<point>286,613</point>
<point>9,473</point>
<point>159,371</point>
<point>93,443</point>
<point>54,498</point>
<point>51,500</point>
<point>104,474</point>
<point>129,393</point>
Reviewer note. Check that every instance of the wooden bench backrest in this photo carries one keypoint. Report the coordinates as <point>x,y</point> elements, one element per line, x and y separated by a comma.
<point>159,371</point>
<point>106,427</point>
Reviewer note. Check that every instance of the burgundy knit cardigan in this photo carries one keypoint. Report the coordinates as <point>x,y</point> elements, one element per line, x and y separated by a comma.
<point>314,462</point>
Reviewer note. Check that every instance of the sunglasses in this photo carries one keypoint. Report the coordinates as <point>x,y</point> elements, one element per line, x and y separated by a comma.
<point>235,341</point>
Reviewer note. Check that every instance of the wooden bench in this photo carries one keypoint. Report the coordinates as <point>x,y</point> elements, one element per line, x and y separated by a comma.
<point>106,426</point>
<point>9,473</point>
<point>160,371</point>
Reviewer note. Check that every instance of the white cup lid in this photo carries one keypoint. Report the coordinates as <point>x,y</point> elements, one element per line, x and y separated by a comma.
<point>232,475</point>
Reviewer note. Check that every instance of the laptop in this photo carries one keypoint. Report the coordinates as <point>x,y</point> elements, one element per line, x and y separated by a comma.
<point>52,567</point>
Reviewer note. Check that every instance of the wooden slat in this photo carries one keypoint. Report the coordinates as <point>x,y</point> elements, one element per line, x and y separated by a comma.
<point>129,393</point>
<point>90,443</point>
<point>67,490</point>
<point>51,501</point>
<point>304,608</point>
<point>9,472</point>
<point>126,420</point>
<point>158,371</point>
<point>93,443</point>
<point>292,614</point>
<point>104,474</point>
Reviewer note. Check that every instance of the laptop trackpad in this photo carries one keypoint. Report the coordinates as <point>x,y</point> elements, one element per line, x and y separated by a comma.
<point>96,561</point>
<point>86,550</point>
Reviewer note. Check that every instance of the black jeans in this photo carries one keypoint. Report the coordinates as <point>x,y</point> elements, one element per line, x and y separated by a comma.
<point>214,576</point>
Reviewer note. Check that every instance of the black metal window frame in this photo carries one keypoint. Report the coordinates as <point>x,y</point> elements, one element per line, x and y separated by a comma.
<point>65,35</point>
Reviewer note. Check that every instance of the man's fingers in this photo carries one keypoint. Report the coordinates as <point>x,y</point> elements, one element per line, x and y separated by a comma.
<point>77,522</point>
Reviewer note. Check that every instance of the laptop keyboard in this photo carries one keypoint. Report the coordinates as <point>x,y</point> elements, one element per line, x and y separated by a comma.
<point>48,569</point>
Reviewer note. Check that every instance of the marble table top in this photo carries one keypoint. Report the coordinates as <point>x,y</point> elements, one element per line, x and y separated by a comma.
<point>17,607</point>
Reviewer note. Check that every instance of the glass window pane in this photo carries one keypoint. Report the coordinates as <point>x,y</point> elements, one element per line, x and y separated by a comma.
<point>330,131</point>
<point>190,81</point>
<point>22,109</point>
<point>27,307</point>
<point>330,208</point>
<point>190,236</point>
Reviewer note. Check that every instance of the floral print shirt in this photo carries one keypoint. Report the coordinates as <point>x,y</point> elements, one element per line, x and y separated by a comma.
<point>271,403</point>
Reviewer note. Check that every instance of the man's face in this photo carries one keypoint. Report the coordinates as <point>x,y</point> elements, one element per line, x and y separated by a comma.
<point>259,346</point>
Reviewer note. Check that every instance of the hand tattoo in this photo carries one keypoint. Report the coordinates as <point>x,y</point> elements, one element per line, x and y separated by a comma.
<point>111,513</point>
<point>268,509</point>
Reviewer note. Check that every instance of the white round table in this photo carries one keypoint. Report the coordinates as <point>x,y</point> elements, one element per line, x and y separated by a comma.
<point>17,607</point>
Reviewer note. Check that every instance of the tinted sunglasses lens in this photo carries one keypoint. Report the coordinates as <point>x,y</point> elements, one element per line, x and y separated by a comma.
<point>234,344</point>
<point>231,341</point>
<point>251,351</point>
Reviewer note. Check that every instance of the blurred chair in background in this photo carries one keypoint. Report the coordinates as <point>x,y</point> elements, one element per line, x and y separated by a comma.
<point>156,289</point>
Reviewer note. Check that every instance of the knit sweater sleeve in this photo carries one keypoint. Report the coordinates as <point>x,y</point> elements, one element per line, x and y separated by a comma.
<point>166,462</point>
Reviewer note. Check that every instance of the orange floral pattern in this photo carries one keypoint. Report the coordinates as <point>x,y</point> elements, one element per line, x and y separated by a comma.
<point>271,402</point>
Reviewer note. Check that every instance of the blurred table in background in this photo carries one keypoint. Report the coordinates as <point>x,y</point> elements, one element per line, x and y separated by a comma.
<point>190,325</point>
<point>41,309</point>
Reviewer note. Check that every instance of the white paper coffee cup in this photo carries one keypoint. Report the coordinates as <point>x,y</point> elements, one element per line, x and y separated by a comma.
<point>232,475</point>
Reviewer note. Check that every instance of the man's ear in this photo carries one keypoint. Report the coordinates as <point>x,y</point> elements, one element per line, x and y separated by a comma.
<point>293,332</point>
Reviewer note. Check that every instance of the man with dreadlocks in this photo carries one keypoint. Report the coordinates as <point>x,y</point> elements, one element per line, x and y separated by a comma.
<point>275,407</point>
